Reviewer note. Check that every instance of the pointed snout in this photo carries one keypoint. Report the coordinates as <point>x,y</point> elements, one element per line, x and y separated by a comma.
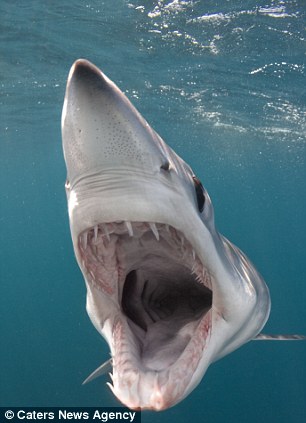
<point>101,128</point>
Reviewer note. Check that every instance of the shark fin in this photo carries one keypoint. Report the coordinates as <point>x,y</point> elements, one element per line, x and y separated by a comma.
<point>101,370</point>
<point>268,337</point>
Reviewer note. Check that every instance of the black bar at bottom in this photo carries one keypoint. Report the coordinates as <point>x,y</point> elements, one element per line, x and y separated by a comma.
<point>66,414</point>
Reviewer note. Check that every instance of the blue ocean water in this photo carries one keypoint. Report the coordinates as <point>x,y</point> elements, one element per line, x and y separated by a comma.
<point>223,82</point>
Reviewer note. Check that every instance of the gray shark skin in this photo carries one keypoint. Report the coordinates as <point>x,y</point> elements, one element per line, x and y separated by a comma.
<point>166,290</point>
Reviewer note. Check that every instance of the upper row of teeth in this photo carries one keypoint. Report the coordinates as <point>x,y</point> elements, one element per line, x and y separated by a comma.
<point>106,231</point>
<point>129,227</point>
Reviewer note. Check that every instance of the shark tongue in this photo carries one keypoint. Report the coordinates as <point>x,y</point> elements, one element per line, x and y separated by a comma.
<point>143,388</point>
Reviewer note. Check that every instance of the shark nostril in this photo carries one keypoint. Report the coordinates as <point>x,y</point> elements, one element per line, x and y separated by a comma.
<point>165,166</point>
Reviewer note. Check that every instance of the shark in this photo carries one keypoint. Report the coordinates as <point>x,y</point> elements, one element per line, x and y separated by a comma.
<point>165,289</point>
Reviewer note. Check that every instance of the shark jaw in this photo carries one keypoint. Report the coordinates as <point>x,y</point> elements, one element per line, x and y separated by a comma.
<point>161,298</point>
<point>169,294</point>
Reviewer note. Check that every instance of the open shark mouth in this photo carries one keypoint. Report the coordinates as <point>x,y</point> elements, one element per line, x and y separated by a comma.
<point>160,295</point>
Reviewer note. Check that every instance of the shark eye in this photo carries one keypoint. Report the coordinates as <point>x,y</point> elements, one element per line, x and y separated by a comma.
<point>200,193</point>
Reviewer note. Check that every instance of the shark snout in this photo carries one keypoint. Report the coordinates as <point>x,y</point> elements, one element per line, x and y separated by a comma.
<point>102,129</point>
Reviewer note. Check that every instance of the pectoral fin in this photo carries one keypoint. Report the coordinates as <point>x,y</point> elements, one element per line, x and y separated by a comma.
<point>101,370</point>
<point>269,337</point>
